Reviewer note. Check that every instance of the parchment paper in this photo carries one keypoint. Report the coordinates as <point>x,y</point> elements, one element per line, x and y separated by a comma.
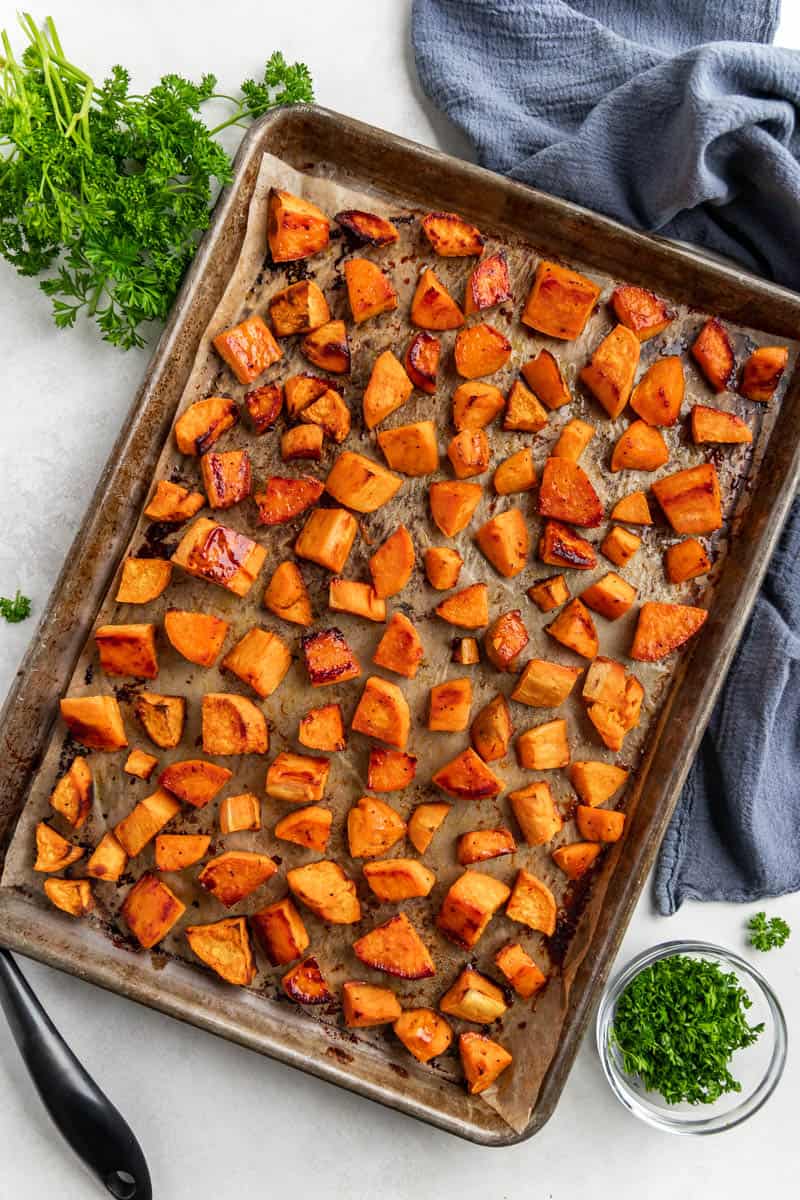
<point>529,1029</point>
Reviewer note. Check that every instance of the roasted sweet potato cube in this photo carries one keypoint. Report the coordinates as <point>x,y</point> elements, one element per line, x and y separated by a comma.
<point>713,353</point>
<point>544,684</point>
<point>473,997</point>
<point>605,682</point>
<point>373,827</point>
<point>327,538</point>
<point>548,386</point>
<point>390,770</point>
<point>197,636</point>
<point>536,813</point>
<point>127,650</point>
<point>352,596</point>
<point>395,879</point>
<point>260,659</point>
<point>287,595</point>
<point>610,596</point>
<point>476,404</point>
<point>505,639</point>
<point>232,724</point>
<point>432,306</point>
<point>468,608</point>
<point>596,782</point>
<point>492,729</point>
<point>488,284</point>
<point>619,545</point>
<point>298,308</point>
<point>453,504</point>
<point>296,228</point>
<point>523,412</point>
<point>227,477</point>
<point>469,453</point>
<point>611,370</point>
<point>383,713</point>
<point>762,372</point>
<point>560,301</point>
<point>466,652</point>
<point>544,747</point>
<point>505,541</point>
<point>549,593</point>
<point>248,348</point>
<point>575,629</point>
<point>400,649</point>
<point>163,717</point>
<point>392,563</point>
<point>631,708</point>
<point>225,947</point>
<point>367,227</point>
<point>280,929</point>
<point>328,348</point>
<point>220,555</point>
<point>140,764</point>
<point>715,425</point>
<point>633,509</point>
<point>361,483</point>
<point>520,970</point>
<point>284,498</point>
<point>301,391</point>
<point>451,236</point>
<point>53,852</point>
<point>369,290</point>
<point>396,948</point>
<point>443,567</point>
<point>201,424</point>
<point>73,794</point>
<point>145,820</point>
<point>302,442</point>
<point>658,396</point>
<point>194,781</point>
<point>480,350</point>
<point>573,440</point>
<point>323,729</point>
<point>389,388</point>
<point>309,827</point>
<point>609,724</point>
<point>567,494</point>
<point>640,311</point>
<point>424,1033</point>
<point>449,705</point>
<point>483,1061</point>
<point>365,1005</point>
<point>411,449</point>
<point>483,844</point>
<point>328,658</point>
<point>235,874</point>
<point>176,851</point>
<point>469,906</point>
<point>423,823</point>
<point>108,859</point>
<point>532,904</point>
<point>264,405</point>
<point>298,778</point>
<point>686,560</point>
<point>172,503</point>
<point>691,499</point>
<point>238,813</point>
<point>72,896</point>
<point>306,984</point>
<point>577,858</point>
<point>640,448</point>
<point>325,889</point>
<point>466,777</point>
<point>143,580</point>
<point>515,474</point>
<point>422,361</point>
<point>598,824</point>
<point>662,628</point>
<point>561,546</point>
<point>150,910</point>
<point>331,414</point>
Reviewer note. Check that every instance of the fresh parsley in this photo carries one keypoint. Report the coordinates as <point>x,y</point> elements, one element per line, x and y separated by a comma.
<point>108,191</point>
<point>15,610</point>
<point>678,1024</point>
<point>767,934</point>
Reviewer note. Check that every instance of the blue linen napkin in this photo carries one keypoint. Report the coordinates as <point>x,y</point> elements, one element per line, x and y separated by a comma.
<point>675,117</point>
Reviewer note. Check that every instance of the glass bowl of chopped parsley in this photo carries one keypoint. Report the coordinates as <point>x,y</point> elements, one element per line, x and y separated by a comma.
<point>691,1037</point>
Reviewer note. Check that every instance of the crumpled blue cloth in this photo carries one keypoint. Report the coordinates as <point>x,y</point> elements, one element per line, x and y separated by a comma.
<point>674,116</point>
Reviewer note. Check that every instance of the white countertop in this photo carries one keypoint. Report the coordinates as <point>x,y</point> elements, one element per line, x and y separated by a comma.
<point>268,1130</point>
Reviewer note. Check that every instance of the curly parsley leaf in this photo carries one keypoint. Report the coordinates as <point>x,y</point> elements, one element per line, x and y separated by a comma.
<point>767,934</point>
<point>15,610</point>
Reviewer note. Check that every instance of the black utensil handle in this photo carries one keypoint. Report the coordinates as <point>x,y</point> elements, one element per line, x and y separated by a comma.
<point>86,1117</point>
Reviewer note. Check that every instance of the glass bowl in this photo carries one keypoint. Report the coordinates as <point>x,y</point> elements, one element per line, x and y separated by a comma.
<point>758,1067</point>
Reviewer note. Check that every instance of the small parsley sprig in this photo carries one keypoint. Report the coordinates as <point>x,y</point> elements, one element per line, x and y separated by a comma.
<point>767,934</point>
<point>15,610</point>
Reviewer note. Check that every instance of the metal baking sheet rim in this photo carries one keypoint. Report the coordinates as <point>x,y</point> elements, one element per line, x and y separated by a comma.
<point>31,703</point>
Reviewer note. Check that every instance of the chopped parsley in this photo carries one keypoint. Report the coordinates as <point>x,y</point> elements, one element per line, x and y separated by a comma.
<point>15,610</point>
<point>767,934</point>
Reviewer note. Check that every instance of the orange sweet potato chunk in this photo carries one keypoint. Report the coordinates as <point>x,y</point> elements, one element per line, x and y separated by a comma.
<point>610,596</point>
<point>491,731</point>
<point>74,792</point>
<point>482,844</point>
<point>577,858</point>
<point>176,851</point>
<point>194,781</point>
<point>354,596</point>
<point>220,555</point>
<point>605,682</point>
<point>127,650</point>
<point>423,824</point>
<point>686,560</point>
<point>575,629</point>
<point>432,306</point>
<point>400,649</point>
<point>396,879</point>
<point>301,391</point>
<point>309,827</point>
<point>520,970</point>
<point>536,813</point>
<point>658,396</point>
<point>248,348</point>
<point>390,770</point>
<point>662,628</point>
<point>324,888</point>
<point>505,541</point>
<point>488,284</point>
<point>369,291</point>
<point>466,777</point>
<point>453,504</point>
<point>619,545</point>
<point>424,1033</point>
<point>150,910</point>
<point>483,1061</point>
<point>545,378</point>
<point>469,906</point>
<point>392,563</point>
<point>330,414</point>
<point>691,499</point>
<point>549,593</point>
<point>227,477</point>
<point>140,764</point>
<point>172,503</point>
<point>598,824</point>
<point>524,413</point>
<point>327,538</point>
<point>480,350</point>
<point>567,494</point>
<point>640,311</point>
<point>544,684</point>
<point>476,404</point>
<point>382,713</point>
<point>633,510</point>
<point>640,448</point>
<point>239,813</point>
<point>596,782</point>
<point>303,442</point>
<point>422,361</point>
<point>573,440</point>
<point>143,580</point>
<point>287,595</point>
<point>264,405</point>
<point>515,474</point>
<point>298,308</point>
<point>611,371</point>
<point>544,747</point>
<point>388,389</point>
<point>412,449</point>
<point>297,778</point>
<point>196,430</point>
<point>232,724</point>
<point>532,903</point>
<point>283,499</point>
<point>280,929</point>
<point>713,353</point>
<point>762,372</point>
<point>469,453</point>
<point>260,659</point>
<point>364,1005</point>
<point>367,227</point>
<point>443,567</point>
<point>72,896</point>
<point>306,984</point>
<point>328,658</point>
<point>328,348</point>
<point>53,852</point>
<point>396,948</point>
<point>715,425</point>
<point>451,236</point>
<point>235,874</point>
<point>473,997</point>
<point>449,704</point>
<point>361,483</point>
<point>561,546</point>
<point>296,228</point>
<point>225,947</point>
<point>560,301</point>
<point>197,636</point>
<point>323,729</point>
<point>108,860</point>
<point>468,608</point>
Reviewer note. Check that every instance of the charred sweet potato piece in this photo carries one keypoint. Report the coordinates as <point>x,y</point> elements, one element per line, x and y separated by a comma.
<point>491,731</point>
<point>577,858</point>
<point>466,651</point>
<point>658,396</point>
<point>505,640</point>
<point>309,827</point>
<point>367,227</point>
<point>423,823</point>
<point>366,1005</point>
<point>544,377</point>
<point>328,348</point>
<point>469,906</point>
<point>686,560</point>
<point>264,405</point>
<point>163,717</point>
<point>287,596</point>
<point>303,442</point>
<point>715,425</point>
<point>452,505</point>
<point>598,824</point>
<point>108,859</point>
<point>468,608</point>
<point>260,659</point>
<point>662,628</point>
<point>392,563</point>
<point>449,704</point>
<point>172,503</point>
<point>298,308</point>
<point>506,542</point>
<point>619,545</point>
<point>361,483</point>
<point>483,844</point>
<point>150,910</point>
<point>640,311</point>
<point>225,947</point>
<point>201,424</point>
<point>424,1033</point>
<point>140,764</point>
<point>194,781</point>
<point>632,509</point>
<point>247,348</point>
<point>567,494</point>
<point>280,929</point>
<point>520,970</point>
<point>369,290</point>
<point>396,948</point>
<point>480,350</point>
<point>227,477</point>
<point>232,724</point>
<point>176,851</point>
<point>532,903</point>
<point>451,236</point>
<point>306,984</point>
<point>549,593</point>
<point>432,306</point>
<point>395,879</point>
<point>762,372</point>
<point>544,747</point>
<point>400,649</point>
<point>573,440</point>
<point>352,596</point>
<point>466,777</point>
<point>283,498</point>
<point>197,636</point>
<point>488,284</point>
<point>235,874</point>
<point>327,538</point>
<point>127,650</point>
<point>239,813</point>
<point>331,414</point>
<point>325,889</point>
<point>560,301</point>
<point>610,596</point>
<point>641,447</point>
<point>53,852</point>
<point>323,729</point>
<point>611,371</point>
<point>483,1061</point>
<point>544,684</point>
<point>388,389</point>
<point>301,391</point>
<point>411,449</point>
<point>328,658</point>
<point>575,629</point>
<point>536,814</point>
<point>713,353</point>
<point>605,682</point>
<point>73,794</point>
<point>390,770</point>
<point>596,782</point>
<point>561,546</point>
<point>476,404</point>
<point>297,778</point>
<point>382,713</point>
<point>443,567</point>
<point>515,474</point>
<point>143,580</point>
<point>469,453</point>
<point>473,997</point>
<point>220,555</point>
<point>72,896</point>
<point>422,361</point>
<point>691,499</point>
<point>296,228</point>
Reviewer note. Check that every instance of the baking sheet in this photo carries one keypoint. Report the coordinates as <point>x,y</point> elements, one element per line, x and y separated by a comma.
<point>531,1031</point>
